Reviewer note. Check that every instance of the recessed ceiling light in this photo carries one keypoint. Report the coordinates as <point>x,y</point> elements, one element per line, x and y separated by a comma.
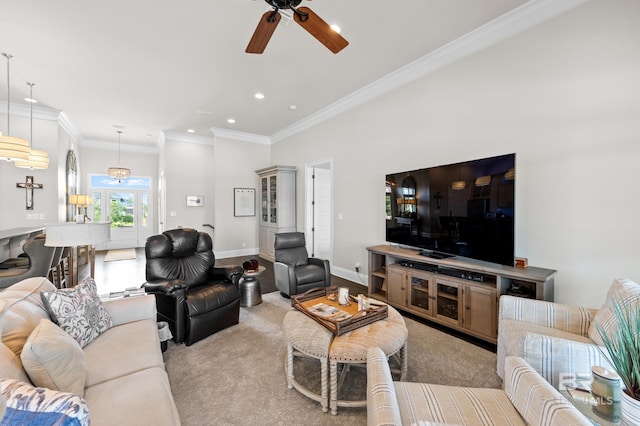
<point>191,131</point>
<point>32,101</point>
<point>336,28</point>
<point>259,95</point>
<point>149,135</point>
<point>231,120</point>
<point>293,107</point>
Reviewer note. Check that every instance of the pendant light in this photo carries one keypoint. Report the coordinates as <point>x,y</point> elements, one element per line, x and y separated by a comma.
<point>119,172</point>
<point>458,185</point>
<point>483,180</point>
<point>37,159</point>
<point>510,174</point>
<point>11,147</point>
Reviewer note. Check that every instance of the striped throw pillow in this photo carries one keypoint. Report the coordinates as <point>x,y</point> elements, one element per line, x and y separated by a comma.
<point>624,292</point>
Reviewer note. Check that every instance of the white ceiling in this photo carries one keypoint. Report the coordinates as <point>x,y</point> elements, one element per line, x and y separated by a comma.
<point>154,65</point>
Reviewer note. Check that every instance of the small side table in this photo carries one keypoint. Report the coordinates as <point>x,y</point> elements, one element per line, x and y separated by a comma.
<point>250,294</point>
<point>589,411</point>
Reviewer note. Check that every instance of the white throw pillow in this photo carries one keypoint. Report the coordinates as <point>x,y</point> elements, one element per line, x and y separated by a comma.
<point>78,311</point>
<point>54,360</point>
<point>624,292</point>
<point>10,366</point>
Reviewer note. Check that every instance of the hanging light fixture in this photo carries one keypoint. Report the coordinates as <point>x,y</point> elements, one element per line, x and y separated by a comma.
<point>458,185</point>
<point>119,172</point>
<point>483,180</point>
<point>11,147</point>
<point>37,159</point>
<point>510,174</point>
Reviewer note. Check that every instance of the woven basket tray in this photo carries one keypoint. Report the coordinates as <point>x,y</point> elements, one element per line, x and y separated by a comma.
<point>303,302</point>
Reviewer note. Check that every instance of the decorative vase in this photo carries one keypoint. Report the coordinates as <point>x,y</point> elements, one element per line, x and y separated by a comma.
<point>630,410</point>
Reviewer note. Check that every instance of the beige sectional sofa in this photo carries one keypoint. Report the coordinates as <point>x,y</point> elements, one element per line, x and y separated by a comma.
<point>527,399</point>
<point>124,380</point>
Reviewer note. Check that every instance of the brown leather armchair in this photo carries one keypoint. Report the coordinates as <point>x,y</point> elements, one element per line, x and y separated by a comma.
<point>192,295</point>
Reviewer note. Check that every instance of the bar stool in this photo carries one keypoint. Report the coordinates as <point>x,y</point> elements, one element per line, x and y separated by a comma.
<point>40,259</point>
<point>57,273</point>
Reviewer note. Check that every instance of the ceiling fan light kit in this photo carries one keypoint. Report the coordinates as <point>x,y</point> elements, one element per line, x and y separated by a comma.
<point>304,16</point>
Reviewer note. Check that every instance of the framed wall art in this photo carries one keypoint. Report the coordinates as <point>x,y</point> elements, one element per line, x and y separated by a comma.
<point>244,201</point>
<point>195,200</point>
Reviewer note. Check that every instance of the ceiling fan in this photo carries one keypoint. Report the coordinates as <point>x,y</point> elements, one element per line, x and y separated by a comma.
<point>304,16</point>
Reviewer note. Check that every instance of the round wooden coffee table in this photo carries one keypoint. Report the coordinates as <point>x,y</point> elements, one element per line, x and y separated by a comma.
<point>306,337</point>
<point>389,334</point>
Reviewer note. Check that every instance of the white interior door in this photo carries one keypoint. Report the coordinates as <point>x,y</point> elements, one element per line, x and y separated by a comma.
<point>319,200</point>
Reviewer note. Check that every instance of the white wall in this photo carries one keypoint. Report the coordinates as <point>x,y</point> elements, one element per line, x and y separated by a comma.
<point>564,96</point>
<point>212,167</point>
<point>47,136</point>
<point>235,165</point>
<point>189,170</point>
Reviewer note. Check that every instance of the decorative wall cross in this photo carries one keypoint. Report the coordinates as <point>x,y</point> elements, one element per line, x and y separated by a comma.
<point>29,185</point>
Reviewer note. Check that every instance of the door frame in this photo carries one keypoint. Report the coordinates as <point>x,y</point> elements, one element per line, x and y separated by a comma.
<point>141,232</point>
<point>310,209</point>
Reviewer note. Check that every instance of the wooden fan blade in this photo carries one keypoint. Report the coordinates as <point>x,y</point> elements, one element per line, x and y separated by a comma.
<point>322,31</point>
<point>264,31</point>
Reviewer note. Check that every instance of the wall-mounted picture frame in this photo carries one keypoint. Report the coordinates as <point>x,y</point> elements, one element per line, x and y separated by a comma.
<point>195,201</point>
<point>244,201</point>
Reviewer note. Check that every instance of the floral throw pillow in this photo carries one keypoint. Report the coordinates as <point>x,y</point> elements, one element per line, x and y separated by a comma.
<point>28,405</point>
<point>78,311</point>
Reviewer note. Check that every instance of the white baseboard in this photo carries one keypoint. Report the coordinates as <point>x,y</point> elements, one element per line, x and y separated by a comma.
<point>358,278</point>
<point>252,252</point>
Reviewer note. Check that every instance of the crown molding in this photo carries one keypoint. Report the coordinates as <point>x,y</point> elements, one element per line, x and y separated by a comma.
<point>39,112</point>
<point>67,126</point>
<point>171,135</point>
<point>511,23</point>
<point>112,146</point>
<point>240,136</point>
<point>45,113</point>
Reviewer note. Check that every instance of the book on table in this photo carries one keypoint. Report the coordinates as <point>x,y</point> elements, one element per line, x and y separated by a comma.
<point>328,312</point>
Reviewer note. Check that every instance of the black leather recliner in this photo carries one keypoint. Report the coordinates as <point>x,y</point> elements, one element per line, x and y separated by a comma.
<point>192,295</point>
<point>295,272</point>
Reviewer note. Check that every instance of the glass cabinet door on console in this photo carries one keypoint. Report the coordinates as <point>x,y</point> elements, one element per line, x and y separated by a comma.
<point>449,301</point>
<point>421,294</point>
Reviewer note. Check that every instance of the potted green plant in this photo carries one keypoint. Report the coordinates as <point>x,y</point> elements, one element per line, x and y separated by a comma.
<point>622,342</point>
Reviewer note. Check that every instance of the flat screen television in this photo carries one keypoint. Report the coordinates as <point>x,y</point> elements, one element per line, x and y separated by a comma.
<point>463,209</point>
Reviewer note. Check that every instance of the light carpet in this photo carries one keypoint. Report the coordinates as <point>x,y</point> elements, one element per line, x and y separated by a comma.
<point>122,254</point>
<point>236,376</point>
